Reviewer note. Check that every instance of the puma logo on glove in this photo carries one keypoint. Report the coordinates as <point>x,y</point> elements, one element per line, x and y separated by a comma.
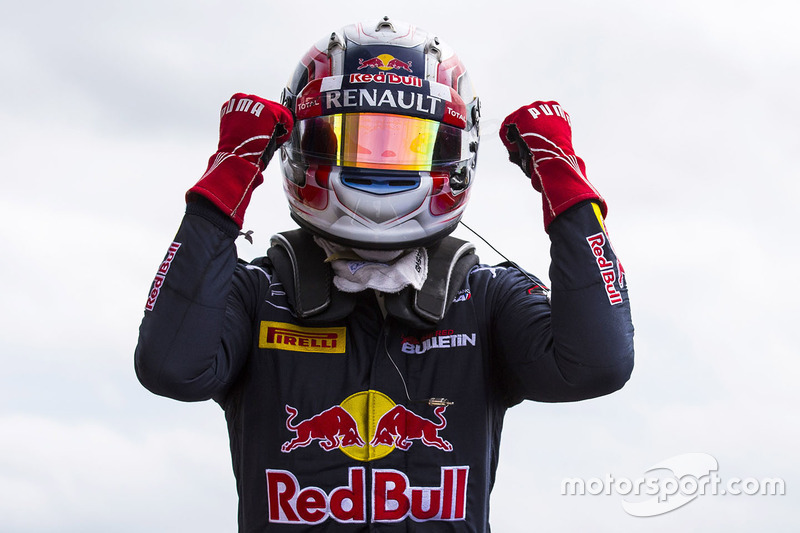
<point>251,129</point>
<point>538,138</point>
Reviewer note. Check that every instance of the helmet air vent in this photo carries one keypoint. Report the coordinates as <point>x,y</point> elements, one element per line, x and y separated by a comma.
<point>375,183</point>
<point>384,25</point>
<point>335,42</point>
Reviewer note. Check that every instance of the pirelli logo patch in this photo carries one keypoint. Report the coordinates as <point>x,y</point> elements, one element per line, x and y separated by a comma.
<point>283,336</point>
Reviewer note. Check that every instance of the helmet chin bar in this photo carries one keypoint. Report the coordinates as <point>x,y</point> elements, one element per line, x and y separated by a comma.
<point>378,244</point>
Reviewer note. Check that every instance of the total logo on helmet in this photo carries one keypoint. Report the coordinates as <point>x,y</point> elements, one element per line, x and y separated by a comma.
<point>350,427</point>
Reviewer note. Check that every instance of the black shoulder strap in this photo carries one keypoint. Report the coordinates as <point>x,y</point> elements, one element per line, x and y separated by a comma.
<point>308,280</point>
<point>449,263</point>
<point>296,257</point>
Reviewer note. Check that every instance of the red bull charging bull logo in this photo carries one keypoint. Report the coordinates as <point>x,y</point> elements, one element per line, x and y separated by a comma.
<point>366,426</point>
<point>384,62</point>
<point>347,427</point>
<point>333,427</point>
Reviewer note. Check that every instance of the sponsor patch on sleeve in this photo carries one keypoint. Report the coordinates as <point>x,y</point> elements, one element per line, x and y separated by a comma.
<point>161,276</point>
<point>283,336</point>
<point>597,243</point>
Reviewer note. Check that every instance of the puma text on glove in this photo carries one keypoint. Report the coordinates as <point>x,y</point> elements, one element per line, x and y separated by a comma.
<point>539,139</point>
<point>251,128</point>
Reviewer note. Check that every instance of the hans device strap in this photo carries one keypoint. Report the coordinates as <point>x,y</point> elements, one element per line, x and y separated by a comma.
<point>308,281</point>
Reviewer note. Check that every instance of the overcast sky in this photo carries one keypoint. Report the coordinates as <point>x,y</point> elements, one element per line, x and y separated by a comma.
<point>686,115</point>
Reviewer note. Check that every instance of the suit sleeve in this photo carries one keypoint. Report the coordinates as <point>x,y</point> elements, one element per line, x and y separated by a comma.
<point>579,344</point>
<point>197,326</point>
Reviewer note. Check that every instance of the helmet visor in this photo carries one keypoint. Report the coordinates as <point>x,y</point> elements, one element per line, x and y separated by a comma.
<point>380,141</point>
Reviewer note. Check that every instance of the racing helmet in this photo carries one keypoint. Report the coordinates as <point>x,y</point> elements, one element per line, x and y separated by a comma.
<point>383,151</point>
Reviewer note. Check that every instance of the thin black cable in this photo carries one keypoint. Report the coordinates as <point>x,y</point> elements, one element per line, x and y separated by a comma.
<point>429,401</point>
<point>509,261</point>
<point>386,349</point>
<point>445,401</point>
<point>487,242</point>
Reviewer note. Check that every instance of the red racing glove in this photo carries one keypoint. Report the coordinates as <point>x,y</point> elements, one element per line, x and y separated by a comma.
<point>539,139</point>
<point>250,131</point>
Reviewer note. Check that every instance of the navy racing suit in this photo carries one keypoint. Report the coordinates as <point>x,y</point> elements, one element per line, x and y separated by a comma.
<point>329,420</point>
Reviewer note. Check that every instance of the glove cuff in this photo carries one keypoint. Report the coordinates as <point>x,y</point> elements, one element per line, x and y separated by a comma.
<point>562,186</point>
<point>228,184</point>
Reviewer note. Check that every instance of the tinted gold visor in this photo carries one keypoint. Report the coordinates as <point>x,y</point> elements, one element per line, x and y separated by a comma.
<point>380,141</point>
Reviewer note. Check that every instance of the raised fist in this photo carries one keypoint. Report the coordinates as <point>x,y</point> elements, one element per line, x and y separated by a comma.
<point>539,139</point>
<point>251,128</point>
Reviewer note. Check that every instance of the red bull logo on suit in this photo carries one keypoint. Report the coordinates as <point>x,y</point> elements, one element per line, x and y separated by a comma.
<point>393,498</point>
<point>348,428</point>
<point>333,428</point>
<point>606,267</point>
<point>161,275</point>
<point>400,427</point>
<point>362,435</point>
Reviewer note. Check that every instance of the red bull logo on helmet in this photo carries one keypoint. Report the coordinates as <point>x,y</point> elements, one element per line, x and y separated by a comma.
<point>392,79</point>
<point>384,62</point>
